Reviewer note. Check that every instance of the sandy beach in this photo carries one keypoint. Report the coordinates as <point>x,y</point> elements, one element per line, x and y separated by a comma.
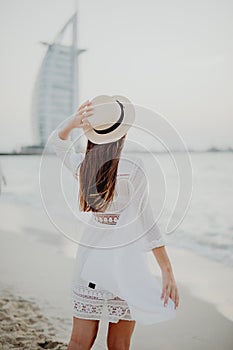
<point>23,326</point>
<point>36,267</point>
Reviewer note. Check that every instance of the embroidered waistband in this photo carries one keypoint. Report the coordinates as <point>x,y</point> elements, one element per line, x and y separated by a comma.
<point>109,219</point>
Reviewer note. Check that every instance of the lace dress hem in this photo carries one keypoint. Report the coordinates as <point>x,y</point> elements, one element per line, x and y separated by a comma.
<point>99,305</point>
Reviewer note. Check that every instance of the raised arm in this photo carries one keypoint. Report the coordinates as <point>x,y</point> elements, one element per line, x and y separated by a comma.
<point>78,121</point>
<point>62,143</point>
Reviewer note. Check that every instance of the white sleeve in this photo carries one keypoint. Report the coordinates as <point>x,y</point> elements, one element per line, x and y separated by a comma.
<point>152,237</point>
<point>66,152</point>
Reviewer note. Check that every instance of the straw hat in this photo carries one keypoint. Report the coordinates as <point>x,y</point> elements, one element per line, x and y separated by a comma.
<point>112,117</point>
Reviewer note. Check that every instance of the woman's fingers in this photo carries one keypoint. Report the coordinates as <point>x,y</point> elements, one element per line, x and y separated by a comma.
<point>170,290</point>
<point>167,294</point>
<point>173,294</point>
<point>83,105</point>
<point>87,115</point>
<point>176,299</point>
<point>163,295</point>
<point>80,121</point>
<point>163,292</point>
<point>85,121</point>
<point>85,109</point>
<point>86,103</point>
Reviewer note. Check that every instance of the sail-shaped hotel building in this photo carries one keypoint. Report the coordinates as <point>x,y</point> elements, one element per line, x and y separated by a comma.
<point>55,93</point>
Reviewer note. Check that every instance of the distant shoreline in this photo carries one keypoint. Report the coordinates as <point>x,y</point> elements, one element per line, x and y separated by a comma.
<point>211,150</point>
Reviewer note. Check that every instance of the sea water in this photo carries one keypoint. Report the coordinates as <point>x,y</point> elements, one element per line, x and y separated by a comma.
<point>207,227</point>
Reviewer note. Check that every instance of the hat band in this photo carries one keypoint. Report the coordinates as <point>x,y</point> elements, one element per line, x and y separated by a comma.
<point>115,125</point>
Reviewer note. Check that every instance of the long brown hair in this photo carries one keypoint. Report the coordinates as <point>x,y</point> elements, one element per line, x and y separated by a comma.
<point>97,176</point>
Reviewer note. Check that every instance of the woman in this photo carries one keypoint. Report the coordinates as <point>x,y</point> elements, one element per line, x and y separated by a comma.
<point>104,190</point>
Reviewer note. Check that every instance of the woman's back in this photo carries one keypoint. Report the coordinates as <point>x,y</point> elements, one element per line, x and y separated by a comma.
<point>124,179</point>
<point>130,202</point>
<point>123,190</point>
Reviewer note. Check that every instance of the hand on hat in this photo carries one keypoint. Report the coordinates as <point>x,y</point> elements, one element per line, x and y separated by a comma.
<point>83,112</point>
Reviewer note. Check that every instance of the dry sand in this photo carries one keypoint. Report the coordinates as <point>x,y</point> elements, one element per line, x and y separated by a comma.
<point>23,326</point>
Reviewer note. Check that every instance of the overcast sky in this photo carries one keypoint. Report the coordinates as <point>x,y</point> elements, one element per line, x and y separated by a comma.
<point>173,56</point>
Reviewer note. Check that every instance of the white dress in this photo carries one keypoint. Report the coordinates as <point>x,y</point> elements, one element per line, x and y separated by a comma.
<point>111,278</point>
